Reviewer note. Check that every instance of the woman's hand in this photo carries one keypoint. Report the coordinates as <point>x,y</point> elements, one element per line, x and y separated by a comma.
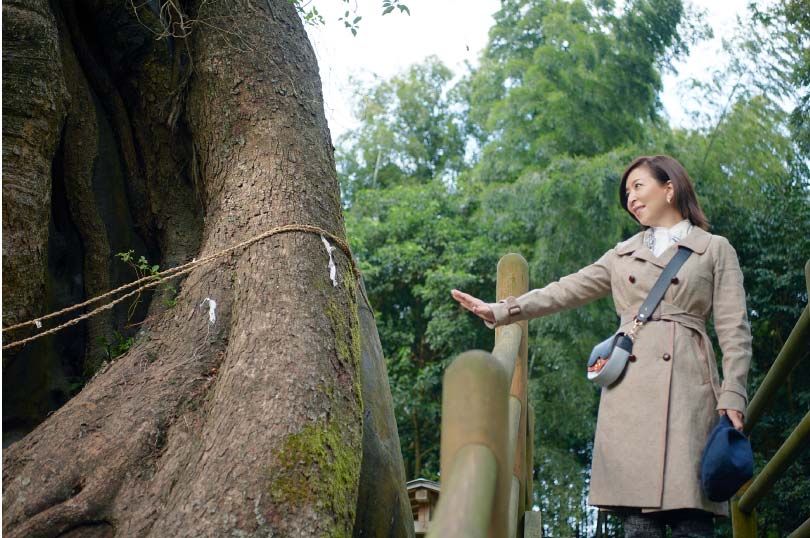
<point>733,415</point>
<point>474,305</point>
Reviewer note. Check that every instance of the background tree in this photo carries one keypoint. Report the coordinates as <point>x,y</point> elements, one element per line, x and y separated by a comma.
<point>411,233</point>
<point>572,78</point>
<point>410,132</point>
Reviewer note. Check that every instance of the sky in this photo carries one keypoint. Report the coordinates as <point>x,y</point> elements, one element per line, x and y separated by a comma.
<point>455,31</point>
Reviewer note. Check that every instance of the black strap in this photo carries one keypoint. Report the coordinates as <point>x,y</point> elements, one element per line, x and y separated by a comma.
<point>661,285</point>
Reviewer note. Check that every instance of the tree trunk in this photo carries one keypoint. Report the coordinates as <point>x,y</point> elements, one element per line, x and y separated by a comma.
<point>34,108</point>
<point>238,411</point>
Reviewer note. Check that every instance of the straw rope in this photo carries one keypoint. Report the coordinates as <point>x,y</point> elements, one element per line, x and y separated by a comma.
<point>162,276</point>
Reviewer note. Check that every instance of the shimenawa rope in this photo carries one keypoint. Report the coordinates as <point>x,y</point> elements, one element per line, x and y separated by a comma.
<point>157,278</point>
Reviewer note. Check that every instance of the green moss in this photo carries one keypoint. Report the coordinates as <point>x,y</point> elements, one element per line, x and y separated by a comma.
<point>317,466</point>
<point>347,333</point>
<point>351,286</point>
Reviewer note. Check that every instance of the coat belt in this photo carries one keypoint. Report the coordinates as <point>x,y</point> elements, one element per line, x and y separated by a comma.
<point>670,312</point>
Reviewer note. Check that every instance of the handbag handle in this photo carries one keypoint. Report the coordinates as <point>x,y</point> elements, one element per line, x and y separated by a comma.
<point>657,291</point>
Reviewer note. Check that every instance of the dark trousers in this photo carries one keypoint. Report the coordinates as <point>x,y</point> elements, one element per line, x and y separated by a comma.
<point>683,522</point>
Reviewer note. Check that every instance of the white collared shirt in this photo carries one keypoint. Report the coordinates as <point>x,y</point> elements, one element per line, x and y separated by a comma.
<point>659,238</point>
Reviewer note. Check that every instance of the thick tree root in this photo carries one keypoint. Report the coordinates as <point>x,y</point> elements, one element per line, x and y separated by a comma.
<point>106,444</point>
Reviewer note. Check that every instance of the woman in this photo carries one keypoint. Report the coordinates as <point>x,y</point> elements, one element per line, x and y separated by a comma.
<point>653,423</point>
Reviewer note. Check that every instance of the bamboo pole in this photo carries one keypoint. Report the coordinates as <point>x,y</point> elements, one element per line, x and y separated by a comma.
<point>507,347</point>
<point>475,411</point>
<point>788,358</point>
<point>514,492</point>
<point>530,461</point>
<point>513,279</point>
<point>743,525</point>
<point>803,531</point>
<point>466,502</point>
<point>787,453</point>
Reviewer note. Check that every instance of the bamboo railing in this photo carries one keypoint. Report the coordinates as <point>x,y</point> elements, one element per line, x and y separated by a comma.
<point>486,432</point>
<point>743,505</point>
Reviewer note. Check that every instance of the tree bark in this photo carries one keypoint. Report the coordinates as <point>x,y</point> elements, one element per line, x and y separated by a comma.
<point>34,96</point>
<point>239,411</point>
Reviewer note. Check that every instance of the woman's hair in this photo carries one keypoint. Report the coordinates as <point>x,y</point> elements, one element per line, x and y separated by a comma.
<point>665,168</point>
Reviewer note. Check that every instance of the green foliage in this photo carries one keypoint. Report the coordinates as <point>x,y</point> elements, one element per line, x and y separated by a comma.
<point>390,5</point>
<point>119,345</point>
<point>75,385</point>
<point>312,17</point>
<point>571,78</point>
<point>787,29</point>
<point>141,266</point>
<point>410,132</point>
<point>524,155</point>
<point>172,300</point>
<point>142,269</point>
<point>350,24</point>
<point>414,243</point>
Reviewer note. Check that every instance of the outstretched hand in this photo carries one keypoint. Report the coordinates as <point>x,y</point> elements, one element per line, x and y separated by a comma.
<point>474,305</point>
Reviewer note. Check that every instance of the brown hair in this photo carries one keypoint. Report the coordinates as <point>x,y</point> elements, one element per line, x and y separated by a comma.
<point>665,168</point>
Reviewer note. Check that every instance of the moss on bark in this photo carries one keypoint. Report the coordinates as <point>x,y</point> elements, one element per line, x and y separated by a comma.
<point>316,465</point>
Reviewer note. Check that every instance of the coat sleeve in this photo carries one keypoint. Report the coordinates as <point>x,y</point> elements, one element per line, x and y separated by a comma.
<point>732,328</point>
<point>588,284</point>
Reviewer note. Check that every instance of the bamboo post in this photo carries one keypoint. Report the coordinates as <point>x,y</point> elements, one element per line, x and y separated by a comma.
<point>513,507</point>
<point>467,496</point>
<point>743,525</point>
<point>513,279</point>
<point>475,411</point>
<point>511,450</point>
<point>530,461</point>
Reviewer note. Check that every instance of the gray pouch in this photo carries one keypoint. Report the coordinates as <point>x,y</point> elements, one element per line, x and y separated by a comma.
<point>609,358</point>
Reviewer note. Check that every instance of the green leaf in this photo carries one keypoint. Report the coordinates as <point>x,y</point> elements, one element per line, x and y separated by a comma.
<point>125,256</point>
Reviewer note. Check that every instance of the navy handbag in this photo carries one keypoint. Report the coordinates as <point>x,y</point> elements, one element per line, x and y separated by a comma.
<point>728,461</point>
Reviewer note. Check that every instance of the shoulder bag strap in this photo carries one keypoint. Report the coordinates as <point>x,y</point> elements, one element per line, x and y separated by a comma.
<point>661,285</point>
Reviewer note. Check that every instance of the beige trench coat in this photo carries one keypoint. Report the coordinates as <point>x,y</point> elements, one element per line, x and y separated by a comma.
<point>653,423</point>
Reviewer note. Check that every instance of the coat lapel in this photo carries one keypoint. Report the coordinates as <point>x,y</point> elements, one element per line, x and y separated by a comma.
<point>697,239</point>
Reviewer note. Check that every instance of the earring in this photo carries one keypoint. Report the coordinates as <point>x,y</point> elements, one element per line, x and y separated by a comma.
<point>669,199</point>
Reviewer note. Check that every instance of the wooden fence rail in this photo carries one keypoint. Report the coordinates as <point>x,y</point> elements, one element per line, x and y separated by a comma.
<point>486,439</point>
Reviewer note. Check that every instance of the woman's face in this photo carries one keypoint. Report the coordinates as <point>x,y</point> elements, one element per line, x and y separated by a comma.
<point>647,199</point>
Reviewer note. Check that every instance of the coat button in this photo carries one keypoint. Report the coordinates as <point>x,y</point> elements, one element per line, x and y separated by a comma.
<point>666,356</point>
<point>632,278</point>
<point>674,280</point>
